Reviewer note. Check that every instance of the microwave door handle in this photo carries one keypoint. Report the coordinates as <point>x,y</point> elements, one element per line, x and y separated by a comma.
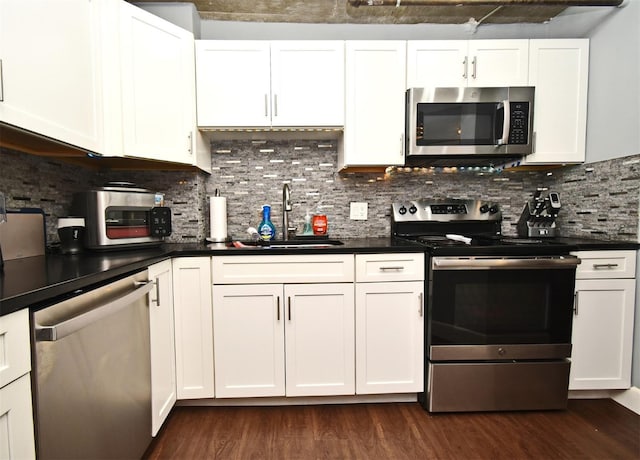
<point>506,127</point>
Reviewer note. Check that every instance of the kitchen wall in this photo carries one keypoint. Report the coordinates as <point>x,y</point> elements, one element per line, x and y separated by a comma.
<point>599,199</point>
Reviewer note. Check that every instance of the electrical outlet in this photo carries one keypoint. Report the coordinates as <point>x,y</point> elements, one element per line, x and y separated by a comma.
<point>358,211</point>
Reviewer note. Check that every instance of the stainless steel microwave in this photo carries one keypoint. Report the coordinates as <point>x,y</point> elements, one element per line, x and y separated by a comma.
<point>468,125</point>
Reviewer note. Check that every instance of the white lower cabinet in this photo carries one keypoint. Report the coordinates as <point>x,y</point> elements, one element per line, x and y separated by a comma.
<point>193,327</point>
<point>163,351</point>
<point>279,339</point>
<point>603,318</point>
<point>389,323</point>
<point>16,414</point>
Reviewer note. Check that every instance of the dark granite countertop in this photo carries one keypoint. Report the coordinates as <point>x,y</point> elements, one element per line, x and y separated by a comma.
<point>33,282</point>
<point>36,281</point>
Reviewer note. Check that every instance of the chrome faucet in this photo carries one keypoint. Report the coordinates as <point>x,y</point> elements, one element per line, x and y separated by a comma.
<point>286,208</point>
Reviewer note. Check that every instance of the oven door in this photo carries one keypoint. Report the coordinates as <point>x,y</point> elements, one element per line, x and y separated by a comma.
<point>484,308</point>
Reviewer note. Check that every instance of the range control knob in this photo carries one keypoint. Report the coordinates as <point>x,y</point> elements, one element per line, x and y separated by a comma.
<point>484,208</point>
<point>493,209</point>
<point>402,210</point>
<point>413,209</point>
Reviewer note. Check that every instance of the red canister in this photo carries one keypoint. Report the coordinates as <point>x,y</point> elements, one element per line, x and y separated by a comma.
<point>319,224</point>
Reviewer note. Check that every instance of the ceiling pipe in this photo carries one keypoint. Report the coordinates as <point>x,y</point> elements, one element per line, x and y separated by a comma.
<point>567,3</point>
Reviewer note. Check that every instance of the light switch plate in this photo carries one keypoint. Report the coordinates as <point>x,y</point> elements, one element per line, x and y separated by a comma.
<point>358,211</point>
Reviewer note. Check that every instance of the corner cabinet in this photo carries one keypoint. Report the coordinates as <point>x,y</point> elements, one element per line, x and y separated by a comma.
<point>467,63</point>
<point>50,81</point>
<point>559,69</point>
<point>390,313</point>
<point>16,414</point>
<point>193,327</point>
<point>163,351</point>
<point>262,84</point>
<point>283,325</point>
<point>603,319</point>
<point>374,104</point>
<point>158,87</point>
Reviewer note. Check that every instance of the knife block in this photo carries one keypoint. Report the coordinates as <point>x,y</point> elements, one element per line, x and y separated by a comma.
<point>532,225</point>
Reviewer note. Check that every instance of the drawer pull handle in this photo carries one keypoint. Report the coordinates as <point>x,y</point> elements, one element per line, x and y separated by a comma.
<point>604,266</point>
<point>575,303</point>
<point>421,295</point>
<point>278,308</point>
<point>398,268</point>
<point>289,307</point>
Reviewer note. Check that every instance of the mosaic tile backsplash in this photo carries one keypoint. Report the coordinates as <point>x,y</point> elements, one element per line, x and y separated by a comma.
<point>599,199</point>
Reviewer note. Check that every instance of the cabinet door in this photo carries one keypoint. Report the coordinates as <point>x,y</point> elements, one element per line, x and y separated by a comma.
<point>163,352</point>
<point>498,63</point>
<point>233,83</point>
<point>49,70</point>
<point>193,326</point>
<point>559,70</point>
<point>389,337</point>
<point>248,340</point>
<point>602,334</point>
<point>375,106</point>
<point>436,63</point>
<point>319,337</point>
<point>157,87</point>
<point>16,420</point>
<point>307,83</point>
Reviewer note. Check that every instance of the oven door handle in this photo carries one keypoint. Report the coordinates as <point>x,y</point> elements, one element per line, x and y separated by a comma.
<point>446,263</point>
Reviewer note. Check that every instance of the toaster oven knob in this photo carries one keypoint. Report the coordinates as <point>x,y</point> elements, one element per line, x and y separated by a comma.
<point>413,209</point>
<point>402,210</point>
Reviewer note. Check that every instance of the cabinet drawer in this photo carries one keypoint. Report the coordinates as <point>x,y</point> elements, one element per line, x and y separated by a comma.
<point>606,264</point>
<point>324,268</point>
<point>15,358</point>
<point>389,267</point>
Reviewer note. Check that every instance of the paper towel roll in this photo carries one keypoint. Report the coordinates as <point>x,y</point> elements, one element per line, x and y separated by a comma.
<point>218,218</point>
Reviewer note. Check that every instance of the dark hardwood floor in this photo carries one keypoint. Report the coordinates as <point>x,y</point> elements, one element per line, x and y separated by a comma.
<point>589,429</point>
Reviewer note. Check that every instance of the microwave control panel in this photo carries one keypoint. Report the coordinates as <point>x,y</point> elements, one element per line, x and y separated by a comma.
<point>519,124</point>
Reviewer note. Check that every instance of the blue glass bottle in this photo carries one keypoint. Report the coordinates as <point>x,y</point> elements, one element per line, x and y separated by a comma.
<point>266,229</point>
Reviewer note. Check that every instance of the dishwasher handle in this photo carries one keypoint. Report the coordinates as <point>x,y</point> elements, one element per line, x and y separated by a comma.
<point>71,325</point>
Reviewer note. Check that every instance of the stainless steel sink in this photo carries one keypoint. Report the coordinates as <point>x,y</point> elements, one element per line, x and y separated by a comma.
<point>294,243</point>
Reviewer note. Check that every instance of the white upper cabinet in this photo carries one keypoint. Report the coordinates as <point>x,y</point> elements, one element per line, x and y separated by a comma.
<point>559,70</point>
<point>262,84</point>
<point>49,70</point>
<point>233,83</point>
<point>157,73</point>
<point>307,83</point>
<point>478,63</point>
<point>374,103</point>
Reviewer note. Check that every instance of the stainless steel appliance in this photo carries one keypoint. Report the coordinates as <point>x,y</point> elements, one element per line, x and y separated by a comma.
<point>499,309</point>
<point>121,215</point>
<point>458,126</point>
<point>538,217</point>
<point>92,372</point>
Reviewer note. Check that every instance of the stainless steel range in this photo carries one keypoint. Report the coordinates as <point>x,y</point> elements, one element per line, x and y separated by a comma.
<point>499,309</point>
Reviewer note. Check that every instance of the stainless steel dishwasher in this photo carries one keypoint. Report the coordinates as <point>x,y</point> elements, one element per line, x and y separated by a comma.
<point>93,373</point>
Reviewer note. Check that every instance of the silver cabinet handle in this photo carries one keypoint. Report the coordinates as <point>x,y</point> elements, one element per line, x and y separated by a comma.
<point>474,65</point>
<point>575,303</point>
<point>278,308</point>
<point>421,295</point>
<point>464,67</point>
<point>157,284</point>
<point>71,325</point>
<point>275,105</point>
<point>401,145</point>
<point>266,105</point>
<point>190,143</point>
<point>1,83</point>
<point>604,266</point>
<point>398,268</point>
